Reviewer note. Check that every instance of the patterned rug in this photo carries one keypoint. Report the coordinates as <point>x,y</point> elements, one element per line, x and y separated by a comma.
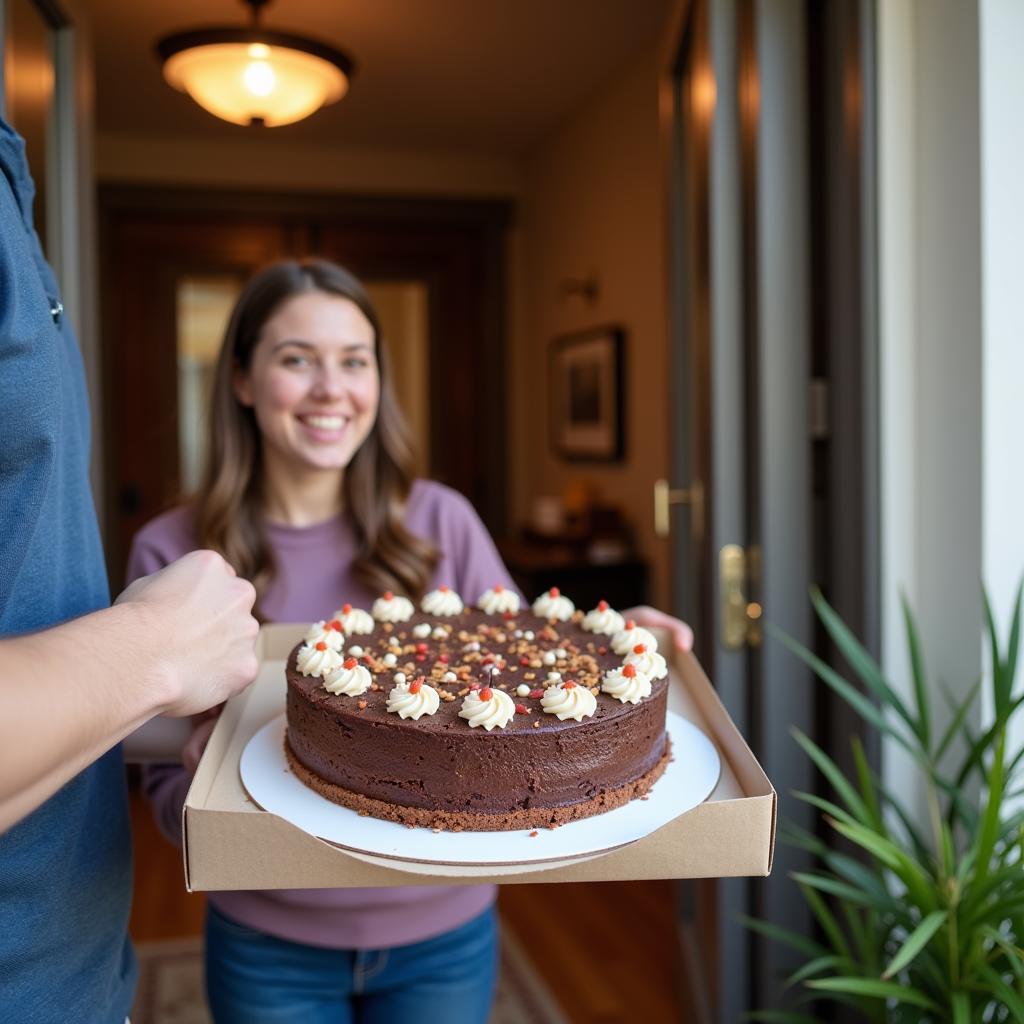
<point>171,986</point>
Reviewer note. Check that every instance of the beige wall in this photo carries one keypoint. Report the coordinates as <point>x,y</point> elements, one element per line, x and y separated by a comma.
<point>592,202</point>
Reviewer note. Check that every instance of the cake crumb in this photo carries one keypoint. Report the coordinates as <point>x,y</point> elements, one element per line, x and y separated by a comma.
<point>436,830</point>
<point>534,834</point>
<point>362,705</point>
<point>536,724</point>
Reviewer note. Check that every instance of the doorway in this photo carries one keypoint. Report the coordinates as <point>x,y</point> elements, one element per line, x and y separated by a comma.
<point>173,262</point>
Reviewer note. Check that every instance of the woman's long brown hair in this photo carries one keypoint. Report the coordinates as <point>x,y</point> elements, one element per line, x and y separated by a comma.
<point>229,503</point>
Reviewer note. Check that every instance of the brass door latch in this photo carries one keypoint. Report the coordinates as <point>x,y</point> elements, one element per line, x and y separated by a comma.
<point>741,619</point>
<point>665,497</point>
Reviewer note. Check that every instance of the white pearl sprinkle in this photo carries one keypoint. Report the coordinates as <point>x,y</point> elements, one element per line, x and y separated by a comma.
<point>390,660</point>
<point>440,633</point>
<point>422,629</point>
<point>355,652</point>
<point>528,635</point>
<point>399,677</point>
<point>473,645</point>
<point>549,658</point>
<point>561,653</point>
<point>518,633</point>
<point>523,690</point>
<point>450,677</point>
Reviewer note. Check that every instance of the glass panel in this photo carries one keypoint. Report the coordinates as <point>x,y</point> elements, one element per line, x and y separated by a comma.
<point>204,305</point>
<point>403,308</point>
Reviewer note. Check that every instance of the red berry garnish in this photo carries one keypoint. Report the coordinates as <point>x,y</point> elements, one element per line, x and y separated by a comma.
<point>639,649</point>
<point>629,671</point>
<point>522,709</point>
<point>346,609</point>
<point>335,625</point>
<point>524,660</point>
<point>630,623</point>
<point>443,658</point>
<point>554,591</point>
<point>602,606</point>
<point>421,657</point>
<point>350,663</point>
<point>321,646</point>
<point>602,650</point>
<point>388,596</point>
<point>568,685</point>
<point>508,615</point>
<point>498,588</point>
<point>421,648</point>
<point>416,685</point>
<point>443,589</point>
<point>485,693</point>
<point>536,694</point>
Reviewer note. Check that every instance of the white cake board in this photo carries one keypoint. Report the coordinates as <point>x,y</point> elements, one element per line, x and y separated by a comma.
<point>688,780</point>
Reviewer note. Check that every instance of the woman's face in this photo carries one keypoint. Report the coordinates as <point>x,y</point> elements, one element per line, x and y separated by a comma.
<point>313,381</point>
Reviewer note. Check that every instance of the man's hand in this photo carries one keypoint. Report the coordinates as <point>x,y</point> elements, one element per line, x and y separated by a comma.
<point>194,621</point>
<point>644,615</point>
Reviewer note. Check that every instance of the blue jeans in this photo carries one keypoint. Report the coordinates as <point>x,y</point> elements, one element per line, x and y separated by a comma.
<point>255,978</point>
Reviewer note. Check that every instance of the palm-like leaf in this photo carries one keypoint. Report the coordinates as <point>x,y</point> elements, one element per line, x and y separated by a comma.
<point>927,922</point>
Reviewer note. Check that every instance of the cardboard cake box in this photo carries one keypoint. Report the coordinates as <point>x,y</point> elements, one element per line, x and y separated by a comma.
<point>230,843</point>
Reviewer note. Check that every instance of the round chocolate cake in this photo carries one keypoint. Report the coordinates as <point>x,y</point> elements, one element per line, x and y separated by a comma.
<point>472,719</point>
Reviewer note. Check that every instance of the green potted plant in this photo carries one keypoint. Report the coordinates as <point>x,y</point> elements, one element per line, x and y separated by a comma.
<point>927,924</point>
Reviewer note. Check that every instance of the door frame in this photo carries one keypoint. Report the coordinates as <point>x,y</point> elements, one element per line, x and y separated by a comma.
<point>772,284</point>
<point>442,239</point>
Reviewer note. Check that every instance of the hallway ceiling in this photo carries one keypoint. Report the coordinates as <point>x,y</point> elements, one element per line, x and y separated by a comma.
<point>473,76</point>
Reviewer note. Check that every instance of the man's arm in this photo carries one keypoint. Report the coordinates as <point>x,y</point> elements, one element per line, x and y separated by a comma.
<point>175,643</point>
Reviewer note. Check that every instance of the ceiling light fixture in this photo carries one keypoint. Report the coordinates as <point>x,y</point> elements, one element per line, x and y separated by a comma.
<point>255,76</point>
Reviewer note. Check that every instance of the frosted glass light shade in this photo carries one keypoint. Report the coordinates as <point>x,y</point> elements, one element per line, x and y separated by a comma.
<point>255,75</point>
<point>252,82</point>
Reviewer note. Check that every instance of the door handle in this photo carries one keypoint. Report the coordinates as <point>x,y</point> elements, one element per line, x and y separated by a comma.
<point>741,618</point>
<point>665,497</point>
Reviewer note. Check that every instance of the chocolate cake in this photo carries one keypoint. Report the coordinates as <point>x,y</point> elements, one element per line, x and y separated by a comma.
<point>465,718</point>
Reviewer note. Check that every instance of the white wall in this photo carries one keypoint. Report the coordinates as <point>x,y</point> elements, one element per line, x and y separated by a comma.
<point>951,144</point>
<point>592,203</point>
<point>1002,377</point>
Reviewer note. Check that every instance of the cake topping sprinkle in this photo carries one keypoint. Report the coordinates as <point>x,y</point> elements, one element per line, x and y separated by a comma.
<point>321,646</point>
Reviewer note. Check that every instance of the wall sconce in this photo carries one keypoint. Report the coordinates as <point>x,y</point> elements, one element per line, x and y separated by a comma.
<point>587,287</point>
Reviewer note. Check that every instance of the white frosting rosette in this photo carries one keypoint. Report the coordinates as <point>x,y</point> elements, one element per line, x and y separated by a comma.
<point>627,684</point>
<point>412,700</point>
<point>349,679</point>
<point>389,608</point>
<point>498,600</point>
<point>354,620</point>
<point>568,700</point>
<point>552,605</point>
<point>649,662</point>
<point>603,619</point>
<point>626,639</point>
<point>489,707</point>
<point>326,632</point>
<point>443,601</point>
<point>317,659</point>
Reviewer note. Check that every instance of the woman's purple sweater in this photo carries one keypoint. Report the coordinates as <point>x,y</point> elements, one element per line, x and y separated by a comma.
<point>313,579</point>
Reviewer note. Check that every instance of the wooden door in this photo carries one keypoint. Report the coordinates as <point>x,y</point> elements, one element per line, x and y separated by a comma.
<point>154,239</point>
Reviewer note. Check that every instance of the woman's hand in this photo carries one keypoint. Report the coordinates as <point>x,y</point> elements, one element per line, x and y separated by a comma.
<point>644,615</point>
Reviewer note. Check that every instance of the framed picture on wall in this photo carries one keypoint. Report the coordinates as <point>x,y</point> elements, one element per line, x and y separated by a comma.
<point>586,388</point>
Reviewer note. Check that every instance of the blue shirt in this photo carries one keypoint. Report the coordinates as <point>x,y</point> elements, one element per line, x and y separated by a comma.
<point>65,871</point>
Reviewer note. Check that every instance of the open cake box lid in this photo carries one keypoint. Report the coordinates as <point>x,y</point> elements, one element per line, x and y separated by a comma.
<point>230,843</point>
